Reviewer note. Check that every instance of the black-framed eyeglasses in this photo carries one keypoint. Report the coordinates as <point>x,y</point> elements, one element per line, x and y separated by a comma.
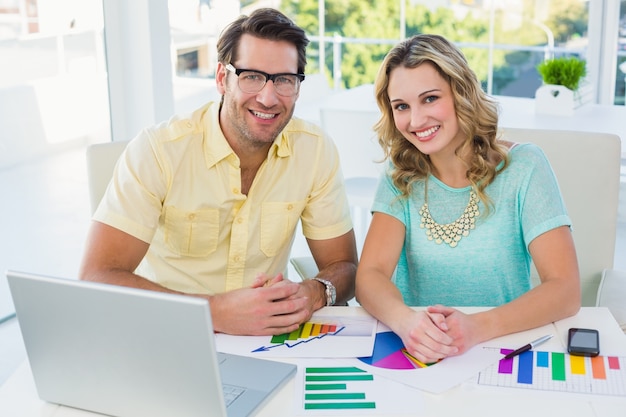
<point>253,81</point>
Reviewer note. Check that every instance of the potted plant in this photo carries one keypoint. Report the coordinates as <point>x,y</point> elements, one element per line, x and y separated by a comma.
<point>561,90</point>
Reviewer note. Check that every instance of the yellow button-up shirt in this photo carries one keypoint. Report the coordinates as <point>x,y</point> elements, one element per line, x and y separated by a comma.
<point>178,187</point>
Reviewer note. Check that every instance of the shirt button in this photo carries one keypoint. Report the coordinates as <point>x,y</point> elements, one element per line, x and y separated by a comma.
<point>237,258</point>
<point>290,207</point>
<point>189,125</point>
<point>235,190</point>
<point>239,220</point>
<point>192,216</point>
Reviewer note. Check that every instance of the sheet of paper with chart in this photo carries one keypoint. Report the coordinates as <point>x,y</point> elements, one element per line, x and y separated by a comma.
<point>326,335</point>
<point>328,386</point>
<point>557,371</point>
<point>391,360</point>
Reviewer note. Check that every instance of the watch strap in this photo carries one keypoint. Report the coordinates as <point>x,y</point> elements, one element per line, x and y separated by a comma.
<point>330,291</point>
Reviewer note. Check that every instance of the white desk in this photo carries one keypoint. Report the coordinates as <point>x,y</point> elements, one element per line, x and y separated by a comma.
<point>18,397</point>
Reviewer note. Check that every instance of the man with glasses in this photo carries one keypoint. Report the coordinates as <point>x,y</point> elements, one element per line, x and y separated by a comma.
<point>208,204</point>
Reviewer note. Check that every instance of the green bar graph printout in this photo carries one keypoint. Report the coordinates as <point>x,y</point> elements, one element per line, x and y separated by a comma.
<point>336,388</point>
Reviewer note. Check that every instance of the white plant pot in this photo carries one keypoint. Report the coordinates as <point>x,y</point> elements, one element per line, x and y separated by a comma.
<point>554,99</point>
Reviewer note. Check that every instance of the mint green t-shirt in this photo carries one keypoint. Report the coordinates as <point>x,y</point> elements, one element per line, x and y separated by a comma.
<point>490,266</point>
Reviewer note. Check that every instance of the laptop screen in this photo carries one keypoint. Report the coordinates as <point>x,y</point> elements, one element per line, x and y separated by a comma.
<point>130,352</point>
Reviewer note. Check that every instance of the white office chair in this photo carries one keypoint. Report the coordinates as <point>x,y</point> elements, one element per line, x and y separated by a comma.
<point>612,294</point>
<point>587,167</point>
<point>101,160</point>
<point>314,91</point>
<point>360,192</point>
<point>349,120</point>
<point>352,132</point>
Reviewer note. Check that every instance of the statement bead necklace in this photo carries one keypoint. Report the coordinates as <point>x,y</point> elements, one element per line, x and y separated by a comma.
<point>450,233</point>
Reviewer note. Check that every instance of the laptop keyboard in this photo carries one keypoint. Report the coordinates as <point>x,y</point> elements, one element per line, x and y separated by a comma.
<point>231,392</point>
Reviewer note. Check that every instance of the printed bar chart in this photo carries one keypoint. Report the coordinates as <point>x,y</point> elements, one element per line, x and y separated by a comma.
<point>336,388</point>
<point>556,371</point>
<point>305,331</point>
<point>321,337</point>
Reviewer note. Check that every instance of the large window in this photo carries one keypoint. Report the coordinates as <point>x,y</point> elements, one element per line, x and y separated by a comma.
<point>53,101</point>
<point>52,78</point>
<point>620,82</point>
<point>503,40</point>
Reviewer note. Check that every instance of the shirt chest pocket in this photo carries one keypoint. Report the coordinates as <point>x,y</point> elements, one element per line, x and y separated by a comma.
<point>191,233</point>
<point>278,224</point>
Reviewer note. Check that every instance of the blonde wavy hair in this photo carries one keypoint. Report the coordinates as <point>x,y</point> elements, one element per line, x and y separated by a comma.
<point>477,116</point>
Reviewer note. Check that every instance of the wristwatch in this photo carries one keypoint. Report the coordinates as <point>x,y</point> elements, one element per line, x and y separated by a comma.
<point>331,292</point>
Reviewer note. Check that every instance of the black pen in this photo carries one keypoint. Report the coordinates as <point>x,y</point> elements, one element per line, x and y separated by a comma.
<point>528,346</point>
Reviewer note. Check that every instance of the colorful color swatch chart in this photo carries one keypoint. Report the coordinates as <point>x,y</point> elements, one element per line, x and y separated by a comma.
<point>308,330</point>
<point>337,388</point>
<point>390,353</point>
<point>556,371</point>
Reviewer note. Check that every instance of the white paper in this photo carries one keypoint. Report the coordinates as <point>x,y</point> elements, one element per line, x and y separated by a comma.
<point>380,395</point>
<point>353,336</point>
<point>438,377</point>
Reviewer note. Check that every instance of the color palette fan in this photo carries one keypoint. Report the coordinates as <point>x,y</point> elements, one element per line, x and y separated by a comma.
<point>308,330</point>
<point>390,353</point>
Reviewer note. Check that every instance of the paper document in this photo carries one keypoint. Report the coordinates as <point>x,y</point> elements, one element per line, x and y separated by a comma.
<point>329,387</point>
<point>391,361</point>
<point>558,371</point>
<point>324,336</point>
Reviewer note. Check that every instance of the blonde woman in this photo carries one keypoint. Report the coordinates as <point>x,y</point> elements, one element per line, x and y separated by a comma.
<point>459,213</point>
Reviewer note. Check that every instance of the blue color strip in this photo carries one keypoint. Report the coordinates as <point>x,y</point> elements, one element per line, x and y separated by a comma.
<point>542,359</point>
<point>525,371</point>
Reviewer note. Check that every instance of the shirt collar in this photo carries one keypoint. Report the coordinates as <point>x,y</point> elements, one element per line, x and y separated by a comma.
<point>216,147</point>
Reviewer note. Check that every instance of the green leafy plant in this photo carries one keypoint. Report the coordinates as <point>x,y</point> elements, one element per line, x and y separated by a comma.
<point>565,71</point>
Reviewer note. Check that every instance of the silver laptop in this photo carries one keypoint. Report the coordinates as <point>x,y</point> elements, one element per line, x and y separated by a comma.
<point>129,352</point>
